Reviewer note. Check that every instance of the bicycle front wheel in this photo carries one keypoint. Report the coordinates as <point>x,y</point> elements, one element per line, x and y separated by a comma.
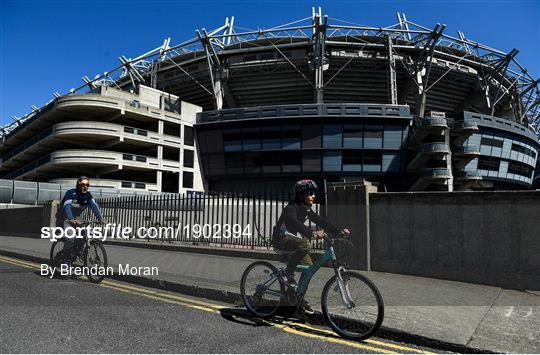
<point>56,256</point>
<point>353,307</point>
<point>262,291</point>
<point>95,257</point>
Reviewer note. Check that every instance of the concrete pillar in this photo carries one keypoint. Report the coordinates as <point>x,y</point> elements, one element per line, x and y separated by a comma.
<point>49,213</point>
<point>159,179</point>
<point>447,141</point>
<point>348,206</point>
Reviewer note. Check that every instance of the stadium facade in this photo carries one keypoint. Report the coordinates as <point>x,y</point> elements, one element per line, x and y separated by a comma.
<point>404,106</point>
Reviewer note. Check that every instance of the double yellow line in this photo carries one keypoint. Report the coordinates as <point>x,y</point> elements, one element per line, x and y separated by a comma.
<point>374,346</point>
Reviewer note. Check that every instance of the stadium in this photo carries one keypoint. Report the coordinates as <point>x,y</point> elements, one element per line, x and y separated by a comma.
<point>407,107</point>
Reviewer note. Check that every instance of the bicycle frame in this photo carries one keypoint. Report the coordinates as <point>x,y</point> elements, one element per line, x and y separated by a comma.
<point>308,271</point>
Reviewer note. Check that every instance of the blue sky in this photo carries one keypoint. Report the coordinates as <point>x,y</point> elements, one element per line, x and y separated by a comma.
<point>47,46</point>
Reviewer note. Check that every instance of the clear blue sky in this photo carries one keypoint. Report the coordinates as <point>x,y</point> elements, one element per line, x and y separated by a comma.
<point>48,46</point>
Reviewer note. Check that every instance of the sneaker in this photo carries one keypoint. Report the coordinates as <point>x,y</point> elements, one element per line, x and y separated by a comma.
<point>307,308</point>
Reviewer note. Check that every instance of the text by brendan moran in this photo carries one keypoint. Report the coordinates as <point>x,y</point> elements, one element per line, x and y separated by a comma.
<point>123,269</point>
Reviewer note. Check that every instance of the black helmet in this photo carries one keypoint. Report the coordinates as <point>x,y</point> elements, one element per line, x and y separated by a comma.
<point>305,185</point>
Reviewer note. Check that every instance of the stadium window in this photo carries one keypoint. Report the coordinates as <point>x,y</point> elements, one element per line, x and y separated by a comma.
<point>521,149</point>
<point>234,163</point>
<point>352,136</point>
<point>371,157</point>
<point>126,184</point>
<point>373,136</point>
<point>171,129</point>
<point>497,143</point>
<point>252,139</point>
<point>187,179</point>
<point>311,137</point>
<point>291,137</point>
<point>311,161</point>
<point>271,162</point>
<point>271,138</point>
<point>515,167</point>
<point>291,162</point>
<point>332,161</point>
<point>489,163</point>
<point>188,158</point>
<point>252,163</point>
<point>189,136</point>
<point>352,160</point>
<point>332,136</point>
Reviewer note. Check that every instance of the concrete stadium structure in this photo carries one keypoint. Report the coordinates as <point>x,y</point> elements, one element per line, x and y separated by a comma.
<point>140,141</point>
<point>405,106</point>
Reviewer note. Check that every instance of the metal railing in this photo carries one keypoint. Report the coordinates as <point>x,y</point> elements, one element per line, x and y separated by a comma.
<point>237,220</point>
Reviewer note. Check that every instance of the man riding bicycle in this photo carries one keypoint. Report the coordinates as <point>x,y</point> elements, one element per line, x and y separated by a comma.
<point>291,224</point>
<point>75,201</point>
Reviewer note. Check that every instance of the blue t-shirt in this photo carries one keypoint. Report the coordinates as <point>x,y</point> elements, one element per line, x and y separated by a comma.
<point>74,203</point>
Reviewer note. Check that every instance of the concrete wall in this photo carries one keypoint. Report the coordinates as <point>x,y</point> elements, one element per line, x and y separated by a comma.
<point>26,221</point>
<point>490,238</point>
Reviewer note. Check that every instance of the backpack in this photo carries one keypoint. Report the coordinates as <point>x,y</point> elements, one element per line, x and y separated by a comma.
<point>278,231</point>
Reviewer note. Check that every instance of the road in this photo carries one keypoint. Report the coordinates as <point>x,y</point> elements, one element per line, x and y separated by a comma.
<point>39,314</point>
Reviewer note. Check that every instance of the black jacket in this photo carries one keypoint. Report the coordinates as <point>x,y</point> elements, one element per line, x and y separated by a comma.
<point>294,215</point>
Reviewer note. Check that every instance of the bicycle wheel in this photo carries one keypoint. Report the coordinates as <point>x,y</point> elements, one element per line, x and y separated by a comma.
<point>56,254</point>
<point>95,255</point>
<point>261,290</point>
<point>354,309</point>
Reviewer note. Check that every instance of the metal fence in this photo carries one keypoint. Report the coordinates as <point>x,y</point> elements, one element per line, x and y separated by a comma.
<point>239,220</point>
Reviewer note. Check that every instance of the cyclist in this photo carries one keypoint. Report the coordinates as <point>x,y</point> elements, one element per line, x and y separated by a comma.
<point>291,224</point>
<point>75,201</point>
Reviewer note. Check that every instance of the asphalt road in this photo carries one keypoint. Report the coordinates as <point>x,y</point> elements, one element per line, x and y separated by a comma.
<point>38,314</point>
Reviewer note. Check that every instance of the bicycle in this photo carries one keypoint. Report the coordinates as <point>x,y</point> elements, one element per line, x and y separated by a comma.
<point>360,302</point>
<point>91,253</point>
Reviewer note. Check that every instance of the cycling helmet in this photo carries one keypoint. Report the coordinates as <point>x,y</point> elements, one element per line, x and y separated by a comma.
<point>305,186</point>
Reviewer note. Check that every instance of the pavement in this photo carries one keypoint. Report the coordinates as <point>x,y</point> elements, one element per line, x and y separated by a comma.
<point>458,316</point>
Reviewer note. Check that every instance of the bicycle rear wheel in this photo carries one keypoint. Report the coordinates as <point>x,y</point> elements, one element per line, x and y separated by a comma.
<point>95,255</point>
<point>262,291</point>
<point>353,308</point>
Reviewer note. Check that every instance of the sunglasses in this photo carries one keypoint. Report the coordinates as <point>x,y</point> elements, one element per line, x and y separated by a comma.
<point>84,185</point>
<point>311,193</point>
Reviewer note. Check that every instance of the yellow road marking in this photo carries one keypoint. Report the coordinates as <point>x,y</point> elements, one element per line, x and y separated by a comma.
<point>214,308</point>
<point>18,262</point>
<point>174,297</point>
<point>376,342</point>
<point>162,299</point>
<point>338,341</point>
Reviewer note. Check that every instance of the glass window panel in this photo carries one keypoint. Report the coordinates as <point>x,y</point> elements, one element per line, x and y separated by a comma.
<point>352,160</point>
<point>311,136</point>
<point>373,136</point>
<point>187,179</point>
<point>311,161</point>
<point>332,136</point>
<point>234,163</point>
<point>392,137</point>
<point>352,136</point>
<point>292,162</point>
<point>332,161</point>
<point>391,162</point>
<point>252,163</point>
